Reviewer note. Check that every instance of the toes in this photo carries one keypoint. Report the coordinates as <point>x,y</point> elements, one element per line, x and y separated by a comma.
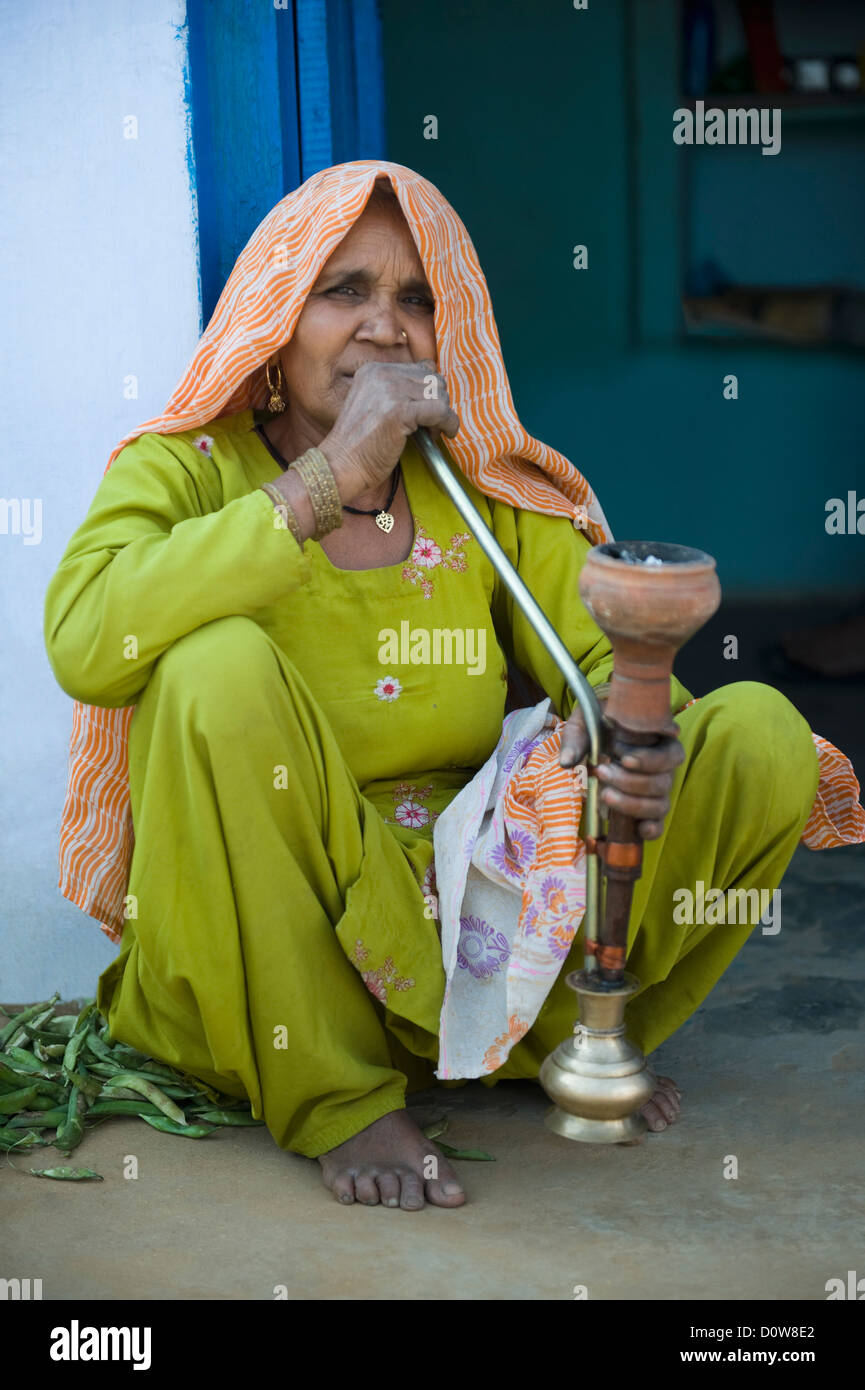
<point>366,1189</point>
<point>388,1188</point>
<point>446,1190</point>
<point>667,1106</point>
<point>653,1117</point>
<point>666,1083</point>
<point>446,1194</point>
<point>343,1188</point>
<point>411,1191</point>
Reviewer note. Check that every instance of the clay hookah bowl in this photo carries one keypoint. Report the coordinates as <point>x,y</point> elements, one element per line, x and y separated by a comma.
<point>648,611</point>
<point>649,598</point>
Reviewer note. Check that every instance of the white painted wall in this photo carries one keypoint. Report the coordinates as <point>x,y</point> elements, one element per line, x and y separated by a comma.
<point>98,248</point>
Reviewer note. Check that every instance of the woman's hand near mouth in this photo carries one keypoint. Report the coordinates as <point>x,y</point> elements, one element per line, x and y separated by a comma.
<point>385,403</point>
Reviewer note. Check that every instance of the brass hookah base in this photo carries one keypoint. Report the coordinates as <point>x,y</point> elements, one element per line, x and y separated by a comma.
<point>597,1078</point>
<point>649,598</point>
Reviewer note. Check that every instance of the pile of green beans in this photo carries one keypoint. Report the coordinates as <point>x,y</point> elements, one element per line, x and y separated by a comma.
<point>63,1073</point>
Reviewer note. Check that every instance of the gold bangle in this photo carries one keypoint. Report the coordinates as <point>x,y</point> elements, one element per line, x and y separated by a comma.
<point>317,476</point>
<point>286,514</point>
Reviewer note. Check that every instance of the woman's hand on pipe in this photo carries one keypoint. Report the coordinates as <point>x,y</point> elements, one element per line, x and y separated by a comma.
<point>385,403</point>
<point>639,785</point>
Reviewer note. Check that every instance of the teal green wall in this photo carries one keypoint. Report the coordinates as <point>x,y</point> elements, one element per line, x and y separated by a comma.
<point>555,128</point>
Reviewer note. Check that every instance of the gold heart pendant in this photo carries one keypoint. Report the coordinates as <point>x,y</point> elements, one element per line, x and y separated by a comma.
<point>384,521</point>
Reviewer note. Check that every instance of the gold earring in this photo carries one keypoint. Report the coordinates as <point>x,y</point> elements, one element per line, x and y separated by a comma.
<point>276,403</point>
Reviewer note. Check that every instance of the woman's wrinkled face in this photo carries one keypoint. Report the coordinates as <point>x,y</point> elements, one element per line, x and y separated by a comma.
<point>370,292</point>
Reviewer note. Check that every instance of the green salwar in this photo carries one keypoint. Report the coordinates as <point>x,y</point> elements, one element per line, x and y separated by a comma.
<point>285,776</point>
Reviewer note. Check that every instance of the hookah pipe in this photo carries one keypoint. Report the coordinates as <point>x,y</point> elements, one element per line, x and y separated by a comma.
<point>576,681</point>
<point>649,598</point>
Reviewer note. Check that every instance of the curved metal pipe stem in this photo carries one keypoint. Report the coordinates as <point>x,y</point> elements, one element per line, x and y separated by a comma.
<point>546,633</point>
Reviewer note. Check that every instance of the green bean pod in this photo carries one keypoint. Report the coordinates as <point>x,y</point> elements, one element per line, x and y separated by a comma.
<point>47,1093</point>
<point>202,1090</point>
<point>13,1101</point>
<point>102,1051</point>
<point>68,1174</point>
<point>21,1036</point>
<point>123,1107</point>
<point>28,1062</point>
<point>24,1017</point>
<point>159,1072</point>
<point>77,1040</point>
<point>131,1054</point>
<point>71,1131</point>
<point>51,1090</point>
<point>23,1141</point>
<point>117,1093</point>
<point>12,1079</point>
<point>45,1051</point>
<point>87,1085</point>
<point>43,1088</point>
<point>477,1155</point>
<point>105,1068</point>
<point>43,1035</point>
<point>168,1127</point>
<point>47,1102</point>
<point>125,1093</point>
<point>63,1025</point>
<point>226,1117</point>
<point>166,1073</point>
<point>38,1119</point>
<point>132,1082</point>
<point>177,1092</point>
<point>436,1127</point>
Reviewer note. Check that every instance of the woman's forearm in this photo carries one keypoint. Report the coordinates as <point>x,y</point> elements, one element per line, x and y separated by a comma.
<point>144,569</point>
<point>291,488</point>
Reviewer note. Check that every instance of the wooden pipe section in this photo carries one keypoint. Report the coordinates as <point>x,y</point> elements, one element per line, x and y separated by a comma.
<point>649,598</point>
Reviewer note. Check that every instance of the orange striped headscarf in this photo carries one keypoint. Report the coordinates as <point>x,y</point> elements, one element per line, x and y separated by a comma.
<point>256,315</point>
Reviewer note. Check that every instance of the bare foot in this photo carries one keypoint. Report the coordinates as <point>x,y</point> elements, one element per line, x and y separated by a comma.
<point>387,1163</point>
<point>662,1110</point>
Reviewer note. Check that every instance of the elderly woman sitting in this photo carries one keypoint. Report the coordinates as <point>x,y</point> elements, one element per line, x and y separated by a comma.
<point>232,581</point>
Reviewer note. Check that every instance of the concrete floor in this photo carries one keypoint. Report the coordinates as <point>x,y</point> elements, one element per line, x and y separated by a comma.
<point>773,1072</point>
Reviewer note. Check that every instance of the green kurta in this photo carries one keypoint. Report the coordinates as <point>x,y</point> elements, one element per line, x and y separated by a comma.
<point>288,758</point>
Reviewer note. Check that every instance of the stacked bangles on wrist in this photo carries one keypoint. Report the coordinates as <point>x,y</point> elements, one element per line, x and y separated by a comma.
<point>316,474</point>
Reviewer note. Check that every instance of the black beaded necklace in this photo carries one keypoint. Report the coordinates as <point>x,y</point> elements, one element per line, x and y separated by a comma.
<point>384,518</point>
<point>383,515</point>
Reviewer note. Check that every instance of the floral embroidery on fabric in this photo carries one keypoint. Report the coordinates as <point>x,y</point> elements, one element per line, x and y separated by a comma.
<point>204,442</point>
<point>553,918</point>
<point>385,977</point>
<point>517,1029</point>
<point>427,555</point>
<point>482,950</point>
<point>410,810</point>
<point>388,688</point>
<point>525,876</point>
<point>514,855</point>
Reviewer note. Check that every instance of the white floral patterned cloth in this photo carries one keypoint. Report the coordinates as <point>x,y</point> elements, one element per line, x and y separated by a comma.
<point>498,973</point>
